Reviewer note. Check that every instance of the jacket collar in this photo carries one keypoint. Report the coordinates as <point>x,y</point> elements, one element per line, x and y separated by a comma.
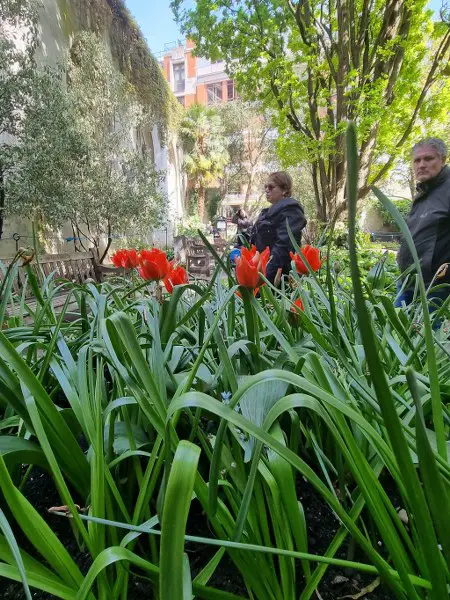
<point>275,208</point>
<point>426,186</point>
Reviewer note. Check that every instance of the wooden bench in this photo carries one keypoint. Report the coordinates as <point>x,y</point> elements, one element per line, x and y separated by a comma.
<point>77,267</point>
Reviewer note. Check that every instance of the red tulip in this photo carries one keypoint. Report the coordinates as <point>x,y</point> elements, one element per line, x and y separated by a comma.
<point>116,258</point>
<point>297,305</point>
<point>311,254</point>
<point>153,264</point>
<point>127,259</point>
<point>249,265</point>
<point>176,276</point>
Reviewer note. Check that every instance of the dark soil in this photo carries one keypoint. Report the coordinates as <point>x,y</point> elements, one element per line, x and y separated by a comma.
<point>226,577</point>
<point>322,527</point>
<point>41,492</point>
<point>321,523</point>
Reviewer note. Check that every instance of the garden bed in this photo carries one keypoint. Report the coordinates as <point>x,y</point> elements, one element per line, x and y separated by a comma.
<point>321,524</point>
<point>296,423</point>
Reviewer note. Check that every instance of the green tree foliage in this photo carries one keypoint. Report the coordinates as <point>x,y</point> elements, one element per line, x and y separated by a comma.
<point>47,154</point>
<point>251,146</point>
<point>403,205</point>
<point>76,158</point>
<point>205,147</point>
<point>213,205</point>
<point>109,117</point>
<point>321,63</point>
<point>18,38</point>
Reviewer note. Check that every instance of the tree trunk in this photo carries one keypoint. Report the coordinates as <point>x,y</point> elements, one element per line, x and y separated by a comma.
<point>108,245</point>
<point>201,202</point>
<point>75,236</point>
<point>80,236</point>
<point>321,209</point>
<point>2,200</point>
<point>105,253</point>
<point>248,190</point>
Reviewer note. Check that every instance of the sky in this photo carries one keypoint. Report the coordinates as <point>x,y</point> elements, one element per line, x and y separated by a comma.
<point>155,18</point>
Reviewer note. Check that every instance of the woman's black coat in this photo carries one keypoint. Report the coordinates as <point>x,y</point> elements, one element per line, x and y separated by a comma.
<point>271,230</point>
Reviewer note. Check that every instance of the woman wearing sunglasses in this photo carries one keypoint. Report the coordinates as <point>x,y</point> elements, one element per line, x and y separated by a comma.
<point>271,229</point>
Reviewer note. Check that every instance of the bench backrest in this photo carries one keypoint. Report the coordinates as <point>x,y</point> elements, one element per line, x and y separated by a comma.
<point>199,259</point>
<point>75,267</point>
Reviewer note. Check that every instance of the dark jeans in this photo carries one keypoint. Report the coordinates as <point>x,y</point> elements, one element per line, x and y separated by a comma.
<point>436,297</point>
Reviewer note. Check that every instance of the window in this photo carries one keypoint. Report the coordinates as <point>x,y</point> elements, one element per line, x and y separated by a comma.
<point>214,92</point>
<point>178,77</point>
<point>230,90</point>
<point>181,100</point>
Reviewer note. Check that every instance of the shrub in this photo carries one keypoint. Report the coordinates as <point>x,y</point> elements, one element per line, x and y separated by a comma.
<point>402,204</point>
<point>190,226</point>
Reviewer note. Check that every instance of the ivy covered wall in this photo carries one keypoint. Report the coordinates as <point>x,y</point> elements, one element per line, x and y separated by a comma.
<point>62,19</point>
<point>61,24</point>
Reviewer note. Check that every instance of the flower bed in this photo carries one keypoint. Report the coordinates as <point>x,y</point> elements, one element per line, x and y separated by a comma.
<point>227,446</point>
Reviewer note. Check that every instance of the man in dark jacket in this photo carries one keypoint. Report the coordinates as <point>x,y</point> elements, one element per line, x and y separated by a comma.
<point>270,228</point>
<point>429,219</point>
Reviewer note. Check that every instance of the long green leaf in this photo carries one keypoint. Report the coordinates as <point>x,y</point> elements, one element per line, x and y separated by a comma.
<point>436,403</point>
<point>175,512</point>
<point>9,536</point>
<point>38,532</point>
<point>390,416</point>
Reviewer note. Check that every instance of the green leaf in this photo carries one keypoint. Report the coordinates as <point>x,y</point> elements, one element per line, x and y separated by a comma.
<point>177,500</point>
<point>9,536</point>
<point>18,451</point>
<point>436,489</point>
<point>39,533</point>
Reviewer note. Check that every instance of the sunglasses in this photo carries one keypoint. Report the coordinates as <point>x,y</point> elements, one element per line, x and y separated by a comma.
<point>270,186</point>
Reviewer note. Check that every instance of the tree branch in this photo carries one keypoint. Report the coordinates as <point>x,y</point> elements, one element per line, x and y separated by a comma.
<point>387,33</point>
<point>363,33</point>
<point>438,60</point>
<point>108,245</point>
<point>296,12</point>
<point>291,117</point>
<point>328,55</point>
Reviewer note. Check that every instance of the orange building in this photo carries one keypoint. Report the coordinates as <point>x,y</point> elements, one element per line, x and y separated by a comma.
<point>196,80</point>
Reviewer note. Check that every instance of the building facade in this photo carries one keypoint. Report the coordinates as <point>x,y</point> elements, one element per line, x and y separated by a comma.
<point>193,79</point>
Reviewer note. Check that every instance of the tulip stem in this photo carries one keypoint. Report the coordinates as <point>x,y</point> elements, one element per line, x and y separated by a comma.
<point>251,321</point>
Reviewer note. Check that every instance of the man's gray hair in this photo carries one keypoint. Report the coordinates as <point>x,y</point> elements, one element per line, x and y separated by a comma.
<point>436,143</point>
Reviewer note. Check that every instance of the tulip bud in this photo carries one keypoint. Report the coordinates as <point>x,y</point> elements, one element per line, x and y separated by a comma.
<point>27,256</point>
<point>442,271</point>
<point>277,280</point>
